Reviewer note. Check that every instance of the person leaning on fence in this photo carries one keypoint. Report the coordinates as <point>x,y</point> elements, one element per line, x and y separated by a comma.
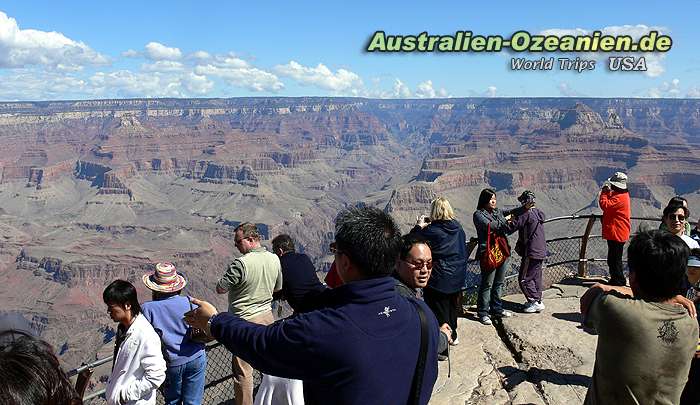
<point>488,216</point>
<point>250,281</point>
<point>532,248</point>
<point>30,373</point>
<point>186,359</point>
<point>675,217</point>
<point>138,368</point>
<point>364,345</point>
<point>614,200</point>
<point>448,245</point>
<point>645,340</point>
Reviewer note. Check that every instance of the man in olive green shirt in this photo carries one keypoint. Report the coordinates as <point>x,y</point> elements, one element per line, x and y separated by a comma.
<point>250,281</point>
<point>645,339</point>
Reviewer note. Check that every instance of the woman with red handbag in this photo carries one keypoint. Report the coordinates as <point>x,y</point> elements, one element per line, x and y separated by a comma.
<point>491,229</point>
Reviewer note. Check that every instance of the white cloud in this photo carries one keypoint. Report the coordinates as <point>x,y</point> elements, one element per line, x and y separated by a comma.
<point>124,83</point>
<point>667,90</point>
<point>654,60</point>
<point>400,90</point>
<point>342,81</point>
<point>491,91</point>
<point>200,55</point>
<point>240,73</point>
<point>131,53</point>
<point>163,66</point>
<point>158,51</point>
<point>197,84</point>
<point>426,90</point>
<point>567,91</point>
<point>27,47</point>
<point>694,92</point>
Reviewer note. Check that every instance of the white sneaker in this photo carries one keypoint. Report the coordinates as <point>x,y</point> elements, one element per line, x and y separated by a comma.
<point>455,342</point>
<point>533,307</point>
<point>486,320</point>
<point>503,314</point>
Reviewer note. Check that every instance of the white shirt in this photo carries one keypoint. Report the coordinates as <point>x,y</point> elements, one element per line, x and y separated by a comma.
<point>692,243</point>
<point>139,368</point>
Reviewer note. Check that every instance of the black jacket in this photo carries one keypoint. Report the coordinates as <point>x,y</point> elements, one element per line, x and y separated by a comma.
<point>448,244</point>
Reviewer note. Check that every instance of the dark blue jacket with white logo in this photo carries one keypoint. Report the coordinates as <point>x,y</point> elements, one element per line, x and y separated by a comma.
<point>362,348</point>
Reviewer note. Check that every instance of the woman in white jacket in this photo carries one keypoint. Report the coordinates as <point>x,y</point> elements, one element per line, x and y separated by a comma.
<point>139,368</point>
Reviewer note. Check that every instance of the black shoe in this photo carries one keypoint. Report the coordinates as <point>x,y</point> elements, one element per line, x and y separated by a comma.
<point>442,357</point>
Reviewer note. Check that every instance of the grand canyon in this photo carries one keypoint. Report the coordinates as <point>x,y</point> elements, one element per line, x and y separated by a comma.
<point>91,191</point>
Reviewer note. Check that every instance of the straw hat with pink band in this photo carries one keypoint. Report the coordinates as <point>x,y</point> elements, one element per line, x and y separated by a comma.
<point>164,279</point>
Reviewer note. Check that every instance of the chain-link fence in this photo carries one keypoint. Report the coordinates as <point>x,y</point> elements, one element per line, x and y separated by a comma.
<point>581,252</point>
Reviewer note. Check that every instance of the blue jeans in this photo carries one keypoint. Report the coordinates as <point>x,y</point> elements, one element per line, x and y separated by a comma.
<point>185,383</point>
<point>490,290</point>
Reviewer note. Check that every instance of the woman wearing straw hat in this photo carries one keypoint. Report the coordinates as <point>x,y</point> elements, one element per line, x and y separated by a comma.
<point>186,360</point>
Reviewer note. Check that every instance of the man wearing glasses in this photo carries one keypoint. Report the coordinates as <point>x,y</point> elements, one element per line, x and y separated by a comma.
<point>250,281</point>
<point>412,274</point>
<point>363,345</point>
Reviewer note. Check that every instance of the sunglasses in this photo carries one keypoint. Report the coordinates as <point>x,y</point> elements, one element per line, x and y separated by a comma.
<point>676,217</point>
<point>419,265</point>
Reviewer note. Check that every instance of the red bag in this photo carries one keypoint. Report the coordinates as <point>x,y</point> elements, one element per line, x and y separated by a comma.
<point>497,251</point>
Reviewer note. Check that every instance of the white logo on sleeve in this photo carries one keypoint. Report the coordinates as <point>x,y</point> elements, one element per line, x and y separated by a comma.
<point>387,311</point>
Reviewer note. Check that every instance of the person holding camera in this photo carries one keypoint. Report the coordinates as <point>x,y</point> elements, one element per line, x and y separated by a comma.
<point>614,200</point>
<point>448,243</point>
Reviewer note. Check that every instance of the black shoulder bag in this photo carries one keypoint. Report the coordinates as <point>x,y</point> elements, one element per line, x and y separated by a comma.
<point>417,384</point>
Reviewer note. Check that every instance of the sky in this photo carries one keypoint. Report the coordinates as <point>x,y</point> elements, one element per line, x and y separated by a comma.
<point>68,50</point>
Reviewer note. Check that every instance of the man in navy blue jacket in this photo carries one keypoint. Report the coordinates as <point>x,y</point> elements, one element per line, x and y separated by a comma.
<point>363,346</point>
<point>300,284</point>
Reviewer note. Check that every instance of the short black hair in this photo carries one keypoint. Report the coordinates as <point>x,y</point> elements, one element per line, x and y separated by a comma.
<point>122,292</point>
<point>30,374</point>
<point>407,242</point>
<point>671,208</point>
<point>484,198</point>
<point>283,242</point>
<point>658,260</point>
<point>370,238</point>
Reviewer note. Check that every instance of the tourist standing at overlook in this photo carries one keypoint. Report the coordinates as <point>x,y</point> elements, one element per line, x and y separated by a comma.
<point>250,281</point>
<point>300,284</point>
<point>691,392</point>
<point>139,368</point>
<point>645,340</point>
<point>532,248</point>
<point>675,218</point>
<point>186,361</point>
<point>695,232</point>
<point>614,200</point>
<point>448,245</point>
<point>364,345</point>
<point>488,217</point>
<point>413,270</point>
<point>678,200</point>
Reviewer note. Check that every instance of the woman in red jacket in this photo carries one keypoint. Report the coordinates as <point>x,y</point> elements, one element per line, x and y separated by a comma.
<point>615,202</point>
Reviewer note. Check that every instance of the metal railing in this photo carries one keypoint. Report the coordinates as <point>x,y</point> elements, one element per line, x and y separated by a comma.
<point>567,256</point>
<point>218,384</point>
<point>579,254</point>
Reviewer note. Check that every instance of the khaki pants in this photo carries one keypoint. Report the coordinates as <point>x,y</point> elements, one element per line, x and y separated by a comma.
<point>243,372</point>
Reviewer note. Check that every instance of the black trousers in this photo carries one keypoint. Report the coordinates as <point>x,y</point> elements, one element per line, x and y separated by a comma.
<point>617,277</point>
<point>444,306</point>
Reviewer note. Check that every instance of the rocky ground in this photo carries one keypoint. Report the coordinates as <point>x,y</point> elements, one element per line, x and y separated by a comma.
<point>527,359</point>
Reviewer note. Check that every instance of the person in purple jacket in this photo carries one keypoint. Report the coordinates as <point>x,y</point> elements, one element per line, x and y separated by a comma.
<point>532,247</point>
<point>363,345</point>
<point>186,361</point>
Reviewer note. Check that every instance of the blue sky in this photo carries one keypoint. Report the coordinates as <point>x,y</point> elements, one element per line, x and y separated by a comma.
<point>87,50</point>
